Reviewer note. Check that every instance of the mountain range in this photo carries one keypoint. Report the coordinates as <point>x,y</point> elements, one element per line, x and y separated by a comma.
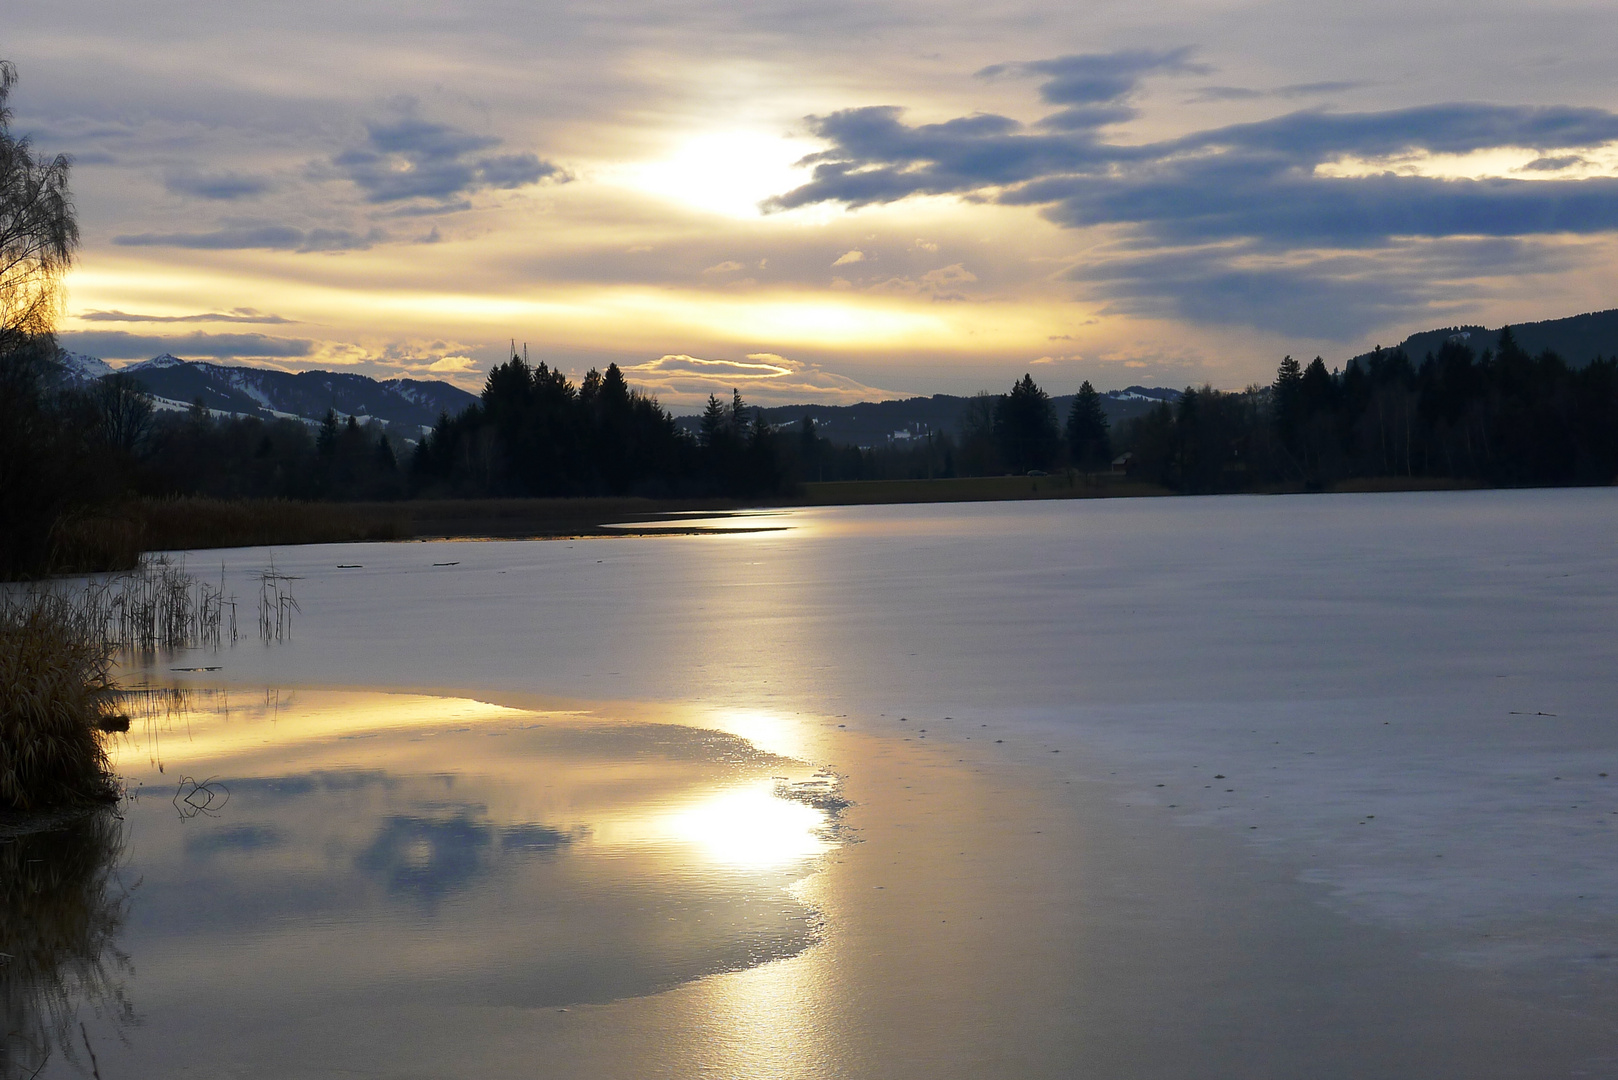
<point>1577,339</point>
<point>412,404</point>
<point>877,423</point>
<point>415,404</point>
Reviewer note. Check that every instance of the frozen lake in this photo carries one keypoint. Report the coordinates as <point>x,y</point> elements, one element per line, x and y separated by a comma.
<point>1380,727</point>
<point>1444,662</point>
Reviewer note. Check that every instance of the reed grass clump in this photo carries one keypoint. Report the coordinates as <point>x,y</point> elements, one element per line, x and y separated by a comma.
<point>57,699</point>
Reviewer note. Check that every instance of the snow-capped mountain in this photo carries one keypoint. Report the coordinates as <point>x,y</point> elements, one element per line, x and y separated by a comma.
<point>79,368</point>
<point>411,403</point>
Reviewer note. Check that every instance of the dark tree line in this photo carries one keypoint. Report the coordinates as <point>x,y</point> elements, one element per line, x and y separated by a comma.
<point>1501,417</point>
<point>69,453</point>
<point>1015,432</point>
<point>534,433</point>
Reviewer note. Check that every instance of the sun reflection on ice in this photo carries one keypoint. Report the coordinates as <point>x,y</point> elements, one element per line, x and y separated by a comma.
<point>750,827</point>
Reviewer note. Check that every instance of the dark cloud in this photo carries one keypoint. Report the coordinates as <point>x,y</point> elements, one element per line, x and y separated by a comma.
<point>1554,164</point>
<point>412,158</point>
<point>1096,78</point>
<point>1295,90</point>
<point>1318,300</point>
<point>1334,297</point>
<point>239,315</point>
<point>122,345</point>
<point>1244,181</point>
<point>265,237</point>
<point>1199,209</point>
<point>1080,118</point>
<point>224,186</point>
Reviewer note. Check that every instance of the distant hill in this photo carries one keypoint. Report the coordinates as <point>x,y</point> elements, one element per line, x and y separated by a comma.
<point>877,423</point>
<point>414,404</point>
<point>1578,339</point>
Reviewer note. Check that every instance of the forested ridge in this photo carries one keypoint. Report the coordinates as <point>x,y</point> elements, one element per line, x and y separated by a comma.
<point>1499,417</point>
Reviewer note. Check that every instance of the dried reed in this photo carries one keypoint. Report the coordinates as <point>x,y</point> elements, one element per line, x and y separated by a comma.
<point>58,697</point>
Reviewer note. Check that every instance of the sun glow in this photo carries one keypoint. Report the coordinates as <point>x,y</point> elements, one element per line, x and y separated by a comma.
<point>724,172</point>
<point>1506,162</point>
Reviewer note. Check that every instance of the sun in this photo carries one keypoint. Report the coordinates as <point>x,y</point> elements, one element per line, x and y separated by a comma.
<point>724,172</point>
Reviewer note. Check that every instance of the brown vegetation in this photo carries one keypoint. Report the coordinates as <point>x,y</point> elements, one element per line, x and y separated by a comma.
<point>190,523</point>
<point>58,700</point>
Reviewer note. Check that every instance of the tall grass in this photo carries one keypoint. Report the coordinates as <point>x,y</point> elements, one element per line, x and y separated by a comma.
<point>57,646</point>
<point>58,700</point>
<point>186,524</point>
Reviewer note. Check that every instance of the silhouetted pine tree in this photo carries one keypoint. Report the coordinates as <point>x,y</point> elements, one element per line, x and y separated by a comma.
<point>1089,441</point>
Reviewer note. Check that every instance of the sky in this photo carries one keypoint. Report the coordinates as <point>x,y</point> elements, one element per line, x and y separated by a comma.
<point>830,202</point>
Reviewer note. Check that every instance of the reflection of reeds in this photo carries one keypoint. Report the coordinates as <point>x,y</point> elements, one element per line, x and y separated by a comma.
<point>58,699</point>
<point>61,907</point>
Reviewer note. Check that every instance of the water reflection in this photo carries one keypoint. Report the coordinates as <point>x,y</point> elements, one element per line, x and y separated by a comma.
<point>427,858</point>
<point>750,827</point>
<point>712,523</point>
<point>370,874</point>
<point>62,907</point>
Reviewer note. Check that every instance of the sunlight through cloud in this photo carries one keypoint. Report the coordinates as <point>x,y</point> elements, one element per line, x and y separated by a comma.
<point>726,172</point>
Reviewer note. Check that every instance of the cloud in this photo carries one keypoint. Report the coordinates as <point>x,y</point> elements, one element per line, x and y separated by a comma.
<point>1294,90</point>
<point>1554,164</point>
<point>1241,180</point>
<point>412,158</point>
<point>1094,78</point>
<point>261,237</point>
<point>122,345</point>
<point>940,284</point>
<point>848,257</point>
<point>221,185</point>
<point>761,378</point>
<point>1230,193</point>
<point>454,365</point>
<point>238,315</point>
<point>1334,296</point>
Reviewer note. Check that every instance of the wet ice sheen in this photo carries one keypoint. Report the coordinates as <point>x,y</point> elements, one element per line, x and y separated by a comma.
<point>321,861</point>
<point>1336,656</point>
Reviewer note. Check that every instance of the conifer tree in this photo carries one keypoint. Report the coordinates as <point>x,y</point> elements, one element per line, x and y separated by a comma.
<point>1025,427</point>
<point>1286,402</point>
<point>1088,437</point>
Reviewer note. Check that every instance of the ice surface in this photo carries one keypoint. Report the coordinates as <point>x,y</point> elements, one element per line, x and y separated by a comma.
<point>1408,699</point>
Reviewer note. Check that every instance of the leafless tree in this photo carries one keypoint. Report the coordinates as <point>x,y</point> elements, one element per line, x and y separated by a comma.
<point>38,231</point>
<point>123,412</point>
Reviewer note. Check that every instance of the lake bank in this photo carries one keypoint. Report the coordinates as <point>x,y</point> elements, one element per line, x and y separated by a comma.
<point>115,537</point>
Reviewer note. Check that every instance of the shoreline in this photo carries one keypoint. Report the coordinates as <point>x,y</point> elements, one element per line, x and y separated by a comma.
<point>204,524</point>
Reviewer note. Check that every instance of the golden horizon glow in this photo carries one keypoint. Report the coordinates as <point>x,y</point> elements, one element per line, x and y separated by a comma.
<point>1498,163</point>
